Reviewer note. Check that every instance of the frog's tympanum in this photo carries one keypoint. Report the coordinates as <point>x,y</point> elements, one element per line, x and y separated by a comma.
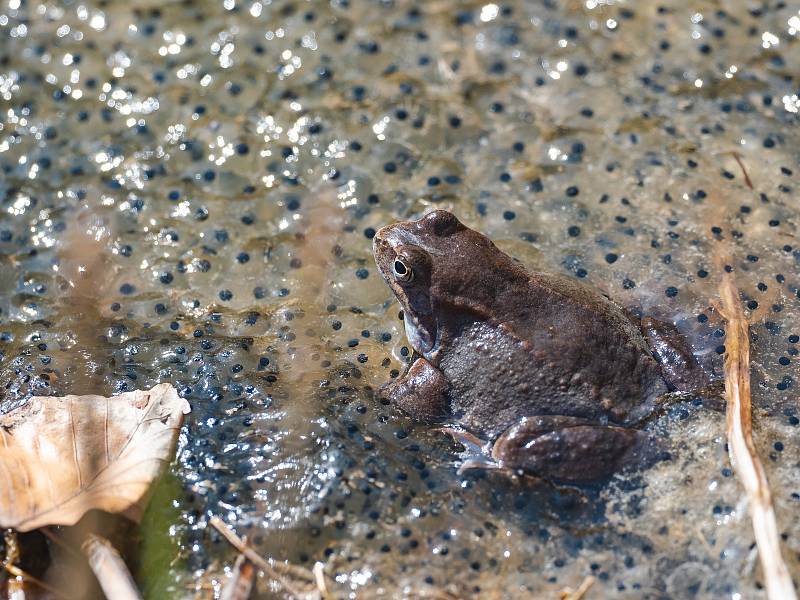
<point>552,372</point>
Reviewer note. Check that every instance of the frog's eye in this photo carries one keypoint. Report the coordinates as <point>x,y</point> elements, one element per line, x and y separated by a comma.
<point>402,270</point>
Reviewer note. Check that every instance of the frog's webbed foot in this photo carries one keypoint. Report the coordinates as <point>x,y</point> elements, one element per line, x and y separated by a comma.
<point>477,456</point>
<point>679,367</point>
<point>476,453</point>
<point>421,392</point>
<point>711,396</point>
<point>472,443</point>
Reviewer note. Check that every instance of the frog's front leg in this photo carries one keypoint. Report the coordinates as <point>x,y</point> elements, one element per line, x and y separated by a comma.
<point>570,450</point>
<point>421,392</point>
<point>678,364</point>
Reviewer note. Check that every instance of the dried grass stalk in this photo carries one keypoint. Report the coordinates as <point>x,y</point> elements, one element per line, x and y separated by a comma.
<point>742,451</point>
<point>240,585</point>
<point>23,577</point>
<point>319,575</point>
<point>270,570</point>
<point>15,586</point>
<point>109,568</point>
<point>569,594</point>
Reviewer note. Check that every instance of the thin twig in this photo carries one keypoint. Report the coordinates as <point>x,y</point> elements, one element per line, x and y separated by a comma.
<point>56,539</point>
<point>109,568</point>
<point>319,575</point>
<point>253,556</point>
<point>17,572</point>
<point>15,586</point>
<point>744,171</point>
<point>12,546</point>
<point>240,585</point>
<point>568,594</point>
<point>703,540</point>
<point>742,451</point>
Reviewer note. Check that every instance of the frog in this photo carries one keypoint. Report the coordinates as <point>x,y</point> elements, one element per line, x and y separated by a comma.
<point>535,373</point>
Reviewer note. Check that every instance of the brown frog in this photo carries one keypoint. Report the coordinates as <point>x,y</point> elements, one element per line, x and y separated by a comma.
<point>556,374</point>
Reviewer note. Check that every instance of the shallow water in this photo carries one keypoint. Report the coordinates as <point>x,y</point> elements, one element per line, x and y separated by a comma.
<point>188,195</point>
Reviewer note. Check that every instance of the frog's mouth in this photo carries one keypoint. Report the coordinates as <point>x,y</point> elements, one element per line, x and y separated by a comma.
<point>413,296</point>
<point>421,339</point>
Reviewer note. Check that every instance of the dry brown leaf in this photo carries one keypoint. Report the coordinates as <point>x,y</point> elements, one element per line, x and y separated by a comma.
<point>63,456</point>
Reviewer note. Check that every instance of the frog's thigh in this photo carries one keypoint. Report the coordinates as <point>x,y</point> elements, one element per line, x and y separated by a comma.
<point>678,364</point>
<point>421,392</point>
<point>570,451</point>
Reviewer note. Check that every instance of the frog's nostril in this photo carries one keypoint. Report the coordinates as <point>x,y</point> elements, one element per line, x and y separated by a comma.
<point>379,245</point>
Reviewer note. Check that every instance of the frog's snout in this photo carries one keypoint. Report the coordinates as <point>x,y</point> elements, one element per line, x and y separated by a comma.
<point>380,245</point>
<point>385,240</point>
<point>382,252</point>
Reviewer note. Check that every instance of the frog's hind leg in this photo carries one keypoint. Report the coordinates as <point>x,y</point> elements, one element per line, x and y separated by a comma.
<point>572,451</point>
<point>476,456</point>
<point>679,367</point>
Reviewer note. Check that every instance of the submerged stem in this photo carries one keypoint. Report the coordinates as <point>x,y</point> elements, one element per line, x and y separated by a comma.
<point>743,455</point>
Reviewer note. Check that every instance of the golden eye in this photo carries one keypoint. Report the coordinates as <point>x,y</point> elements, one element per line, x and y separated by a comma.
<point>402,270</point>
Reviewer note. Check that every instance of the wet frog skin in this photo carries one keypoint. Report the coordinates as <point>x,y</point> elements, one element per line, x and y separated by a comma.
<point>553,372</point>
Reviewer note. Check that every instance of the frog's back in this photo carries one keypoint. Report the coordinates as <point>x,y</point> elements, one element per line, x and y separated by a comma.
<point>557,348</point>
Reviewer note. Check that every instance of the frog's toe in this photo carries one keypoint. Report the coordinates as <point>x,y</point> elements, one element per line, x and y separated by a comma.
<point>472,443</point>
<point>476,451</point>
<point>480,462</point>
<point>711,396</point>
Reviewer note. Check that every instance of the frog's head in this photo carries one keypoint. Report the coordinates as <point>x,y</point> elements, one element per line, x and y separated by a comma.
<point>432,265</point>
